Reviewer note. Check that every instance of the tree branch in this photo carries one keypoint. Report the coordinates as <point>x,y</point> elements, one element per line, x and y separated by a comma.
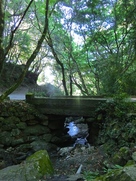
<point>15,29</point>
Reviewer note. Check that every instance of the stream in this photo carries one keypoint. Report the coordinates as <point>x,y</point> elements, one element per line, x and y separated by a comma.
<point>78,130</point>
<point>73,129</point>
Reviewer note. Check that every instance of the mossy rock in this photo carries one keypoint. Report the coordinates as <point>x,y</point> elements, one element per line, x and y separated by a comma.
<point>122,156</point>
<point>40,161</point>
<point>33,169</point>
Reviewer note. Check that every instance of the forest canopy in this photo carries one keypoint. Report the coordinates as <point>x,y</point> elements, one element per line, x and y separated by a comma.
<point>89,45</point>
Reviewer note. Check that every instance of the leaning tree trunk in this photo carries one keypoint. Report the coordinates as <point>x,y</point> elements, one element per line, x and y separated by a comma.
<point>31,59</point>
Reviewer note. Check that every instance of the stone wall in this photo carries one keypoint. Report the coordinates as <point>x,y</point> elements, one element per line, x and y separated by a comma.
<point>23,129</point>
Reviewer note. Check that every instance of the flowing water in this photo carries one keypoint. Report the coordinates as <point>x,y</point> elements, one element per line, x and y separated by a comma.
<point>73,129</point>
<point>77,131</point>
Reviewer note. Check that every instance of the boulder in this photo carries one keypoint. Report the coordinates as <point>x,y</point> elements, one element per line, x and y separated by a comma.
<point>42,145</point>
<point>33,169</point>
<point>65,151</point>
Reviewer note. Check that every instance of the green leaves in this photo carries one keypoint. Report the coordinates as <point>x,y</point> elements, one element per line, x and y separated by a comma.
<point>95,40</point>
<point>90,176</point>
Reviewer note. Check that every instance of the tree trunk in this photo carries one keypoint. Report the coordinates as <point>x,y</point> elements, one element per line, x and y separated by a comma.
<point>1,35</point>
<point>84,88</point>
<point>49,41</point>
<point>71,88</point>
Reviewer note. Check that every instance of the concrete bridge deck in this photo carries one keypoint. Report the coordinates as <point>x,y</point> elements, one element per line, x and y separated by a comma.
<point>67,106</point>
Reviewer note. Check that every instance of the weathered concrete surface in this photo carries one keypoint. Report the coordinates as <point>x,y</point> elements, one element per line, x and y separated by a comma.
<point>68,106</point>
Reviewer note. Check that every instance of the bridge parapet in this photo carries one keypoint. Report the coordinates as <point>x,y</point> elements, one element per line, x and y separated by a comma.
<point>66,105</point>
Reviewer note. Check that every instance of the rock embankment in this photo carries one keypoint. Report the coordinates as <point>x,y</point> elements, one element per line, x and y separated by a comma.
<point>23,130</point>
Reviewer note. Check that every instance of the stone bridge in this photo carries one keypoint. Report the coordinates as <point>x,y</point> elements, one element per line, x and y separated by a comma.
<point>58,108</point>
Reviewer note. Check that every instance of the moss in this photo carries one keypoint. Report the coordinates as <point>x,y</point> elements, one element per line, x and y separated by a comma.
<point>41,162</point>
<point>122,156</point>
<point>129,163</point>
<point>124,151</point>
<point>30,94</point>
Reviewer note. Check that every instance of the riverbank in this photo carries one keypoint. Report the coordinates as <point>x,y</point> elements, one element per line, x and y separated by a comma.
<point>87,158</point>
<point>87,163</point>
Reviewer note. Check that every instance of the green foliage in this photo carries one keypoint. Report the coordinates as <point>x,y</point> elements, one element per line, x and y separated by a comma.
<point>118,124</point>
<point>106,170</point>
<point>46,90</point>
<point>94,40</point>
<point>117,107</point>
<point>89,176</point>
<point>41,94</point>
<point>122,105</point>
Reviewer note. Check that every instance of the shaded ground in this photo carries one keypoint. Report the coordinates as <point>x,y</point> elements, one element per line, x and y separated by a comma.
<point>89,159</point>
<point>68,161</point>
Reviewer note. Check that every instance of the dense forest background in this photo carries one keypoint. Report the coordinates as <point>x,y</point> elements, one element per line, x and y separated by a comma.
<point>89,45</point>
